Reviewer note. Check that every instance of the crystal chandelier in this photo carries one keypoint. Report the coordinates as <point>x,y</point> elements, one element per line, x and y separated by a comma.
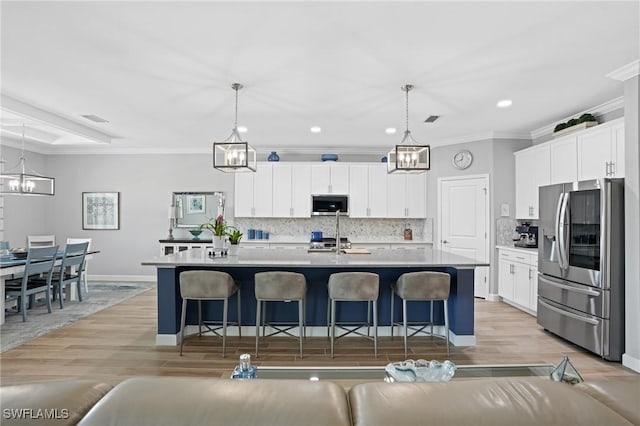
<point>409,156</point>
<point>19,180</point>
<point>234,155</point>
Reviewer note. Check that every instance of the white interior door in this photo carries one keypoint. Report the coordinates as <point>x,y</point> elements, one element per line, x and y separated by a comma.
<point>464,221</point>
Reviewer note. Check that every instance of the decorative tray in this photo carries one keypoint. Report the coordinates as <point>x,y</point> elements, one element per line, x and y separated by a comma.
<point>420,371</point>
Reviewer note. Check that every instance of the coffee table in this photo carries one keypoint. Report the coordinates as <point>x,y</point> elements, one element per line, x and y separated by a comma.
<point>363,374</point>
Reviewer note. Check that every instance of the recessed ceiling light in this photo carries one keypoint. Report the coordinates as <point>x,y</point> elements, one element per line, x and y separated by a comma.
<point>390,130</point>
<point>316,129</point>
<point>242,129</point>
<point>504,103</point>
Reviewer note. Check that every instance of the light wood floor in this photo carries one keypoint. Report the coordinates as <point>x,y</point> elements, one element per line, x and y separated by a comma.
<point>119,342</point>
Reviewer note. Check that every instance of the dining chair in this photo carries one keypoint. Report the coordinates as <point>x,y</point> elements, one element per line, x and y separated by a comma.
<point>84,265</point>
<point>40,241</point>
<point>70,270</point>
<point>39,262</point>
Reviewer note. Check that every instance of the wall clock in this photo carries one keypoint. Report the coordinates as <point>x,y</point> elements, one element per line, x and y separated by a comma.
<point>462,159</point>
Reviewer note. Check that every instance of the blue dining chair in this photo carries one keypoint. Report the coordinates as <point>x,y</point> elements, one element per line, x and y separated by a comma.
<point>70,270</point>
<point>39,263</point>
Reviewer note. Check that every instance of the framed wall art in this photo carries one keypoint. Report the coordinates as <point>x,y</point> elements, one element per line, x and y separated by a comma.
<point>196,204</point>
<point>100,210</point>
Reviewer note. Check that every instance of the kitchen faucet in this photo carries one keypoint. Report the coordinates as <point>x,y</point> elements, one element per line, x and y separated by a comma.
<point>338,231</point>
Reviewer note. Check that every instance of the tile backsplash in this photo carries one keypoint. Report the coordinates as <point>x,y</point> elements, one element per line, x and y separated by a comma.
<point>505,229</point>
<point>299,229</point>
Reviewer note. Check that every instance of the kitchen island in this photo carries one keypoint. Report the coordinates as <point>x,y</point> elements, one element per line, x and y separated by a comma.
<point>388,264</point>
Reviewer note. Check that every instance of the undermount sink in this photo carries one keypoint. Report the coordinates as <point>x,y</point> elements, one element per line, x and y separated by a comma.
<point>321,250</point>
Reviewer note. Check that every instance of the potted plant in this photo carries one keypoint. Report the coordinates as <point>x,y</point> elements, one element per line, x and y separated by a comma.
<point>219,230</point>
<point>235,236</point>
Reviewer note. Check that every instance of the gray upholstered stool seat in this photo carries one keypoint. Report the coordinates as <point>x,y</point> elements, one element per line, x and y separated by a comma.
<point>354,286</point>
<point>426,286</point>
<point>280,286</point>
<point>208,285</point>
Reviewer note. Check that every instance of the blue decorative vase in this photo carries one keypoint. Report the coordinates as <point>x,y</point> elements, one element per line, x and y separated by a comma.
<point>273,156</point>
<point>383,159</point>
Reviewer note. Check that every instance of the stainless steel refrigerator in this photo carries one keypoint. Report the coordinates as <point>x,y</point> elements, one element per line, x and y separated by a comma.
<point>581,264</point>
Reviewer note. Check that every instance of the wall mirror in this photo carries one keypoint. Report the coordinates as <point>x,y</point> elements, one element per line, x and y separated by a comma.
<point>195,208</point>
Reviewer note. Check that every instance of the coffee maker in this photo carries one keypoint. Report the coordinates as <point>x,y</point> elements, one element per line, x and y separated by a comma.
<point>527,236</point>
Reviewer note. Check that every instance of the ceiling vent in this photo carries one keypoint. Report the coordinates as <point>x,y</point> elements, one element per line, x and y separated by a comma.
<point>95,118</point>
<point>431,118</point>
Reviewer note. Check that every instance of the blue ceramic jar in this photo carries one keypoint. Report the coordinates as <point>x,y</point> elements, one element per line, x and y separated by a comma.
<point>273,156</point>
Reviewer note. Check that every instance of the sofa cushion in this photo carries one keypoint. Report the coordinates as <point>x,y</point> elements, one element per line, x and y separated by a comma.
<point>621,395</point>
<point>477,402</point>
<point>205,401</point>
<point>62,402</point>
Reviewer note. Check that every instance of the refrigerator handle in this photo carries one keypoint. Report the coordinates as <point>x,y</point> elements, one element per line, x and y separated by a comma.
<point>558,233</point>
<point>564,222</point>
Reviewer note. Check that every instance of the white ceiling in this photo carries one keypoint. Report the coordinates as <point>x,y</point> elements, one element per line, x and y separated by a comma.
<point>160,72</point>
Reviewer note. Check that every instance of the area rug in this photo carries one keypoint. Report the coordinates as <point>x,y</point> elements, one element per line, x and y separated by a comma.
<point>101,295</point>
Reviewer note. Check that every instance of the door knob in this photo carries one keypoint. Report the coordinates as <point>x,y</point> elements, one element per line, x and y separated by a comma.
<point>445,242</point>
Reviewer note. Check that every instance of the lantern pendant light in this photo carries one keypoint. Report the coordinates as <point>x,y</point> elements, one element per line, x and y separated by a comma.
<point>409,156</point>
<point>234,155</point>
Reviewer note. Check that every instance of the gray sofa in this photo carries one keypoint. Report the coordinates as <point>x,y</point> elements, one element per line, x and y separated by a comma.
<point>204,401</point>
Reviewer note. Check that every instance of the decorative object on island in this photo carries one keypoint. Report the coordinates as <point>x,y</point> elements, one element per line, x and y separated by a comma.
<point>219,230</point>
<point>462,159</point>
<point>273,156</point>
<point>409,156</point>
<point>16,181</point>
<point>234,155</point>
<point>101,210</point>
<point>407,233</point>
<point>585,121</point>
<point>234,240</point>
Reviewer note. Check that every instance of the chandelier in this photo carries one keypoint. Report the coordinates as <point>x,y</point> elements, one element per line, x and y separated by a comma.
<point>409,156</point>
<point>19,180</point>
<point>234,155</point>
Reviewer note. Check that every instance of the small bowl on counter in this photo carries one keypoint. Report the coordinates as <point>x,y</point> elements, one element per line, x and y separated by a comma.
<point>19,253</point>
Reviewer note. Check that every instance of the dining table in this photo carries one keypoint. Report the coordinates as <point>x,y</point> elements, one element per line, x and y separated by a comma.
<point>12,266</point>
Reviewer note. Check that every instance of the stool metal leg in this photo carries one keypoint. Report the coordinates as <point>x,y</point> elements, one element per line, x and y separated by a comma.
<point>392,319</point>
<point>300,323</point>
<point>431,309</point>
<point>446,322</point>
<point>368,316</point>
<point>182,321</point>
<point>258,305</point>
<point>329,318</point>
<point>199,317</point>
<point>225,312</point>
<point>239,314</point>
<point>333,324</point>
<point>375,329</point>
<point>404,325</point>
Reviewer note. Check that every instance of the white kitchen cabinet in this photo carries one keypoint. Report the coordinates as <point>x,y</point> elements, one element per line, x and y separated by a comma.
<point>532,171</point>
<point>601,151</point>
<point>407,195</point>
<point>175,247</point>
<point>253,193</point>
<point>518,278</point>
<point>564,160</point>
<point>330,178</point>
<point>291,190</point>
<point>368,191</point>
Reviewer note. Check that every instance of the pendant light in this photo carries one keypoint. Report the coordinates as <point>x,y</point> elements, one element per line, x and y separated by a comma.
<point>17,181</point>
<point>409,156</point>
<point>234,155</point>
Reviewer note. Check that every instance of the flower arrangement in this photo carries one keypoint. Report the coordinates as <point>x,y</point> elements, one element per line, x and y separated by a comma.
<point>217,228</point>
<point>234,235</point>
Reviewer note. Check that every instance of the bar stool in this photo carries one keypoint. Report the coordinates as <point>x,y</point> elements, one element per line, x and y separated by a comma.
<point>349,287</point>
<point>208,285</point>
<point>425,286</point>
<point>280,286</point>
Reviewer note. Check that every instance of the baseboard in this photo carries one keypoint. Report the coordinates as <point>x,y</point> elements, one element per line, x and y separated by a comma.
<point>493,297</point>
<point>122,278</point>
<point>316,331</point>
<point>631,362</point>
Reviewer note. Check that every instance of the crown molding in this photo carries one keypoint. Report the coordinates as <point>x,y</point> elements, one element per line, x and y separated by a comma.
<point>625,72</point>
<point>601,109</point>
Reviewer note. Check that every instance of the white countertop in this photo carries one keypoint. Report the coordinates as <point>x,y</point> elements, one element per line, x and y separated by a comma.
<point>523,249</point>
<point>363,241</point>
<point>248,257</point>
